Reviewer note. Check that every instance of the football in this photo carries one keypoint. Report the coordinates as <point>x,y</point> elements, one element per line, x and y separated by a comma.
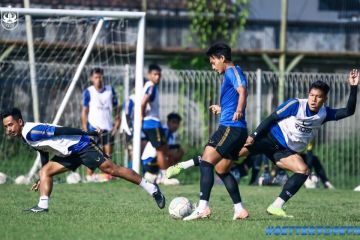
<point>180,207</point>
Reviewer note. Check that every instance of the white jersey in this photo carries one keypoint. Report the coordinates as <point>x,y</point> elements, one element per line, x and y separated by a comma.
<point>152,108</point>
<point>101,107</point>
<point>300,130</point>
<point>41,137</point>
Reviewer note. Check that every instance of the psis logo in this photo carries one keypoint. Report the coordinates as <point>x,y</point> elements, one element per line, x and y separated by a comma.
<point>9,19</point>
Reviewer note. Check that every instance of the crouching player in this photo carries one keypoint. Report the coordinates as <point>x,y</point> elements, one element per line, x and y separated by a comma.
<point>286,132</point>
<point>72,147</point>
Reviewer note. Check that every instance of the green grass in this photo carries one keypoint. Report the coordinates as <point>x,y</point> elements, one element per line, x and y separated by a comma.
<point>119,210</point>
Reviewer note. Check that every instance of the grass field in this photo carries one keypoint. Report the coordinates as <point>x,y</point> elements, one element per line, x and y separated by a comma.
<point>119,210</point>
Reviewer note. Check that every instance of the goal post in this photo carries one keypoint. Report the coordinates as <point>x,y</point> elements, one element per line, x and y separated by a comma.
<point>101,17</point>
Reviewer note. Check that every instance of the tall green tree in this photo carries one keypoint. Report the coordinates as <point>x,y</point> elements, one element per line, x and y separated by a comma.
<point>217,20</point>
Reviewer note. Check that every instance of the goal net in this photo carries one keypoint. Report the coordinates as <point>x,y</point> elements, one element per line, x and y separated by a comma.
<point>45,74</point>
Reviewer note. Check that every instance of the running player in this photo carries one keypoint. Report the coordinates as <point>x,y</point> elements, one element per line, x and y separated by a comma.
<point>72,147</point>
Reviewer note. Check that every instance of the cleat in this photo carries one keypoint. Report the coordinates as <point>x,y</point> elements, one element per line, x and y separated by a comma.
<point>36,209</point>
<point>277,212</point>
<point>172,171</point>
<point>159,197</point>
<point>241,214</point>
<point>198,214</point>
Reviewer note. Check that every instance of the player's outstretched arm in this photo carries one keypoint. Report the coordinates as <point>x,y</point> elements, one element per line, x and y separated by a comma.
<point>74,131</point>
<point>337,114</point>
<point>265,125</point>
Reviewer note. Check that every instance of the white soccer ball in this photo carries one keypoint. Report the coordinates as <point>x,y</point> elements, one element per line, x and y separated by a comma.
<point>312,183</point>
<point>22,180</point>
<point>357,189</point>
<point>180,207</point>
<point>73,178</point>
<point>2,178</point>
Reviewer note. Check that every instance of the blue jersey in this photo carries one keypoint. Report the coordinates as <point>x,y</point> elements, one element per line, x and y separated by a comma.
<point>290,108</point>
<point>233,79</point>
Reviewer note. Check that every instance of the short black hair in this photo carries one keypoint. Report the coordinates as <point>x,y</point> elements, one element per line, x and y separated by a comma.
<point>14,112</point>
<point>219,49</point>
<point>97,70</point>
<point>154,67</point>
<point>174,116</point>
<point>320,85</point>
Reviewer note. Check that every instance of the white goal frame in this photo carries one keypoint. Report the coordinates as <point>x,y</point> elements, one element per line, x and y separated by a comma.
<point>139,64</point>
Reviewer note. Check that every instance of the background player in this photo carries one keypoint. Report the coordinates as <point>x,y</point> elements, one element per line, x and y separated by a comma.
<point>71,147</point>
<point>98,106</point>
<point>225,143</point>
<point>288,130</point>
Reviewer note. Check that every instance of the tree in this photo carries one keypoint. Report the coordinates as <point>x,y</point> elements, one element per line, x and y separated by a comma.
<point>217,20</point>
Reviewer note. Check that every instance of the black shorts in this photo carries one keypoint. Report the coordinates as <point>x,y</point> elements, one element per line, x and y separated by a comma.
<point>156,136</point>
<point>228,141</point>
<point>105,138</point>
<point>91,156</point>
<point>269,146</point>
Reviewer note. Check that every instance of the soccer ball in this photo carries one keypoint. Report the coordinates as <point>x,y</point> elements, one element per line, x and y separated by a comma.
<point>22,180</point>
<point>312,183</point>
<point>2,178</point>
<point>73,178</point>
<point>180,207</point>
<point>357,189</point>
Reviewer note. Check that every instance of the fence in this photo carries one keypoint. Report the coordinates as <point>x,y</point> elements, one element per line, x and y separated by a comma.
<point>190,93</point>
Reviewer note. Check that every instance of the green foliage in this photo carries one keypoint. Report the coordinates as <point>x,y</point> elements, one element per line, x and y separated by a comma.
<point>216,20</point>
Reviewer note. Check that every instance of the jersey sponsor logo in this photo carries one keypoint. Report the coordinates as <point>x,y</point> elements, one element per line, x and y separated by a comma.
<point>303,127</point>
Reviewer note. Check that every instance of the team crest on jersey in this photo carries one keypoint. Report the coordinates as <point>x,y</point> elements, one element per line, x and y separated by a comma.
<point>9,19</point>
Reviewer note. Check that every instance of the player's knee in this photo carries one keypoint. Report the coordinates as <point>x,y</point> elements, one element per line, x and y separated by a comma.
<point>303,169</point>
<point>44,173</point>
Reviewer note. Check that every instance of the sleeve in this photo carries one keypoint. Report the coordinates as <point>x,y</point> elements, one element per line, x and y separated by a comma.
<point>40,132</point>
<point>152,91</point>
<point>237,78</point>
<point>114,97</point>
<point>337,114</point>
<point>86,98</point>
<point>288,108</point>
<point>72,131</point>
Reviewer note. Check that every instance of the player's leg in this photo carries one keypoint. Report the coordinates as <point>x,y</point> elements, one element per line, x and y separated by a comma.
<point>296,164</point>
<point>320,171</point>
<point>51,169</point>
<point>93,157</point>
<point>209,159</point>
<point>223,171</point>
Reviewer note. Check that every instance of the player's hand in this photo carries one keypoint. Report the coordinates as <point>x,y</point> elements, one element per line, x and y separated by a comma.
<point>354,77</point>
<point>237,116</point>
<point>249,141</point>
<point>215,109</point>
<point>35,186</point>
<point>99,131</point>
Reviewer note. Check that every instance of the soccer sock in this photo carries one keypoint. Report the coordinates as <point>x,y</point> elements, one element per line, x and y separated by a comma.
<point>149,187</point>
<point>292,185</point>
<point>203,204</point>
<point>231,186</point>
<point>190,163</point>
<point>238,207</point>
<point>278,203</point>
<point>43,202</point>
<point>162,173</point>
<point>206,180</point>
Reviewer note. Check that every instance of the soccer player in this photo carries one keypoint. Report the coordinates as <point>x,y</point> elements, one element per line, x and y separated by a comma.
<point>151,118</point>
<point>98,106</point>
<point>148,157</point>
<point>288,130</point>
<point>72,147</point>
<point>224,145</point>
